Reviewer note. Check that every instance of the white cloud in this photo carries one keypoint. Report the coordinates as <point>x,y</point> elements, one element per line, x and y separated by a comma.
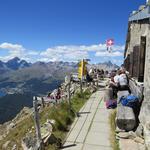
<point>66,53</point>
<point>107,54</point>
<point>117,61</point>
<point>118,47</point>
<point>98,47</point>
<point>33,53</point>
<point>12,47</point>
<point>16,50</point>
<point>59,53</point>
<point>13,50</point>
<point>76,52</point>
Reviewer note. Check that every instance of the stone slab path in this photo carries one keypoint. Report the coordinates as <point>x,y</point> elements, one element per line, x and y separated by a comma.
<point>91,130</point>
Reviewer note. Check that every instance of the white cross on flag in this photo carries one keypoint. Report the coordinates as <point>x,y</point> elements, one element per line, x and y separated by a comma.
<point>110,42</point>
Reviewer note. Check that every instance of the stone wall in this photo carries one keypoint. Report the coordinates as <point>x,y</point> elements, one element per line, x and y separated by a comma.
<point>136,31</point>
<point>145,109</point>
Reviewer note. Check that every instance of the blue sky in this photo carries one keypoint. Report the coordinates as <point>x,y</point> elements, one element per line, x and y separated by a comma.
<point>68,30</point>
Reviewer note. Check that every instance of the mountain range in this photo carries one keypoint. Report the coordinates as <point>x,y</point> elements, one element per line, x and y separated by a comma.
<point>20,81</point>
<point>105,66</point>
<point>13,64</point>
<point>19,76</point>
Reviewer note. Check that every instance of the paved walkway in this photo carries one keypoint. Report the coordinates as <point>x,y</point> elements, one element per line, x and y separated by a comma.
<point>91,130</point>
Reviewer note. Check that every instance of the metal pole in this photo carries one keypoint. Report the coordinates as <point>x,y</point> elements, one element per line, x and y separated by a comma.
<point>81,81</point>
<point>37,124</point>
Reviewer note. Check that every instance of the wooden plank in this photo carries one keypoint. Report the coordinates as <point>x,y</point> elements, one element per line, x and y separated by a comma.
<point>37,124</point>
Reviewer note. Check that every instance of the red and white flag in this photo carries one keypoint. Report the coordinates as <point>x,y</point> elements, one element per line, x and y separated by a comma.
<point>110,42</point>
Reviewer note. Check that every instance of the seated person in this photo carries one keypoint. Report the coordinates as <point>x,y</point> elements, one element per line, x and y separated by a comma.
<point>114,86</point>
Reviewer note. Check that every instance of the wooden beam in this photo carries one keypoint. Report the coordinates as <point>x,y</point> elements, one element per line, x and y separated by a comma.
<point>37,124</point>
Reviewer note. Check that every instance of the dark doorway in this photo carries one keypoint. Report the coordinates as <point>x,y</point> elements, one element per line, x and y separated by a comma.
<point>136,61</point>
<point>142,59</point>
<point>131,64</point>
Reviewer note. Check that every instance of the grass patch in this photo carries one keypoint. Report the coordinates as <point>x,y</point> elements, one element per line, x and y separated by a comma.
<point>17,133</point>
<point>60,113</point>
<point>113,140</point>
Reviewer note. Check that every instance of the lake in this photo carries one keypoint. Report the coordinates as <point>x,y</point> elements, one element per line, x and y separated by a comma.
<point>2,94</point>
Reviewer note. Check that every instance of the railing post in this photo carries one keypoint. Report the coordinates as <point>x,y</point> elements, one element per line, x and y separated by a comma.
<point>69,93</point>
<point>37,124</point>
<point>97,80</point>
<point>81,90</point>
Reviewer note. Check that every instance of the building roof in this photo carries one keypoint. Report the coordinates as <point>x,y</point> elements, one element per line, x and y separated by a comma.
<point>143,13</point>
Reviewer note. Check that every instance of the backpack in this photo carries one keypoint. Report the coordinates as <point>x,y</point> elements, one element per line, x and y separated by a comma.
<point>129,100</point>
<point>111,104</point>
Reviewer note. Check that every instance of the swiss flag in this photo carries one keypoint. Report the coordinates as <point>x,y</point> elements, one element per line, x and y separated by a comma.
<point>110,42</point>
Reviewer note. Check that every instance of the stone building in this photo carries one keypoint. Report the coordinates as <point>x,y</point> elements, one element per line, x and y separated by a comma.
<point>137,62</point>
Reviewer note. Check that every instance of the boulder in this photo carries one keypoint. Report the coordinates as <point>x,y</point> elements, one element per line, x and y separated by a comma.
<point>139,140</point>
<point>5,146</point>
<point>126,135</point>
<point>125,118</point>
<point>139,131</point>
<point>29,142</point>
